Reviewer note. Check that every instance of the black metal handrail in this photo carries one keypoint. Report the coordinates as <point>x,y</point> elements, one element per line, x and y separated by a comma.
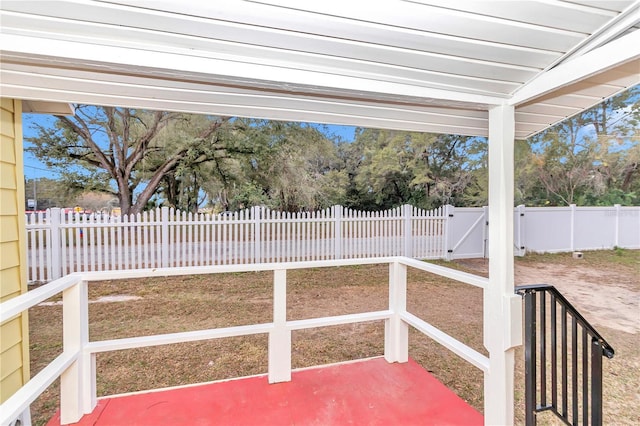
<point>578,376</point>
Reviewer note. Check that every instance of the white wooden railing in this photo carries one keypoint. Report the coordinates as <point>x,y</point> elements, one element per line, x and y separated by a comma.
<point>76,365</point>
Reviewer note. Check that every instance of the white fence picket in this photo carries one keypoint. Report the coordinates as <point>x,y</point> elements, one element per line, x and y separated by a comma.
<point>60,243</point>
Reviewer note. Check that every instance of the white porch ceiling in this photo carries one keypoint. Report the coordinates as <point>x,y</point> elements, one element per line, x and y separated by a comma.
<point>424,65</point>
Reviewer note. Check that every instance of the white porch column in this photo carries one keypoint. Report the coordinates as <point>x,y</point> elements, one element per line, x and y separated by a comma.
<point>280,336</point>
<point>502,308</point>
<point>396,331</point>
<point>77,381</point>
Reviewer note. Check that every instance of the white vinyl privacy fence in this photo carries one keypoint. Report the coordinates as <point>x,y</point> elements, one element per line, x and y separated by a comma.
<point>61,243</point>
<point>547,230</point>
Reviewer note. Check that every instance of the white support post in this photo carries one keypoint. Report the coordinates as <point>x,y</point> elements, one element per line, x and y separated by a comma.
<point>53,245</point>
<point>165,244</point>
<point>573,226</point>
<point>616,237</point>
<point>448,235</point>
<point>502,308</point>
<point>280,336</point>
<point>396,331</point>
<point>75,384</point>
<point>90,399</point>
<point>407,212</point>
<point>519,230</point>
<point>485,232</point>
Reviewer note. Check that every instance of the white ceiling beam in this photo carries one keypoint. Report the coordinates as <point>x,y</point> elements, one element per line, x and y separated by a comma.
<point>230,71</point>
<point>534,130</point>
<point>257,25</point>
<point>345,57</point>
<point>621,23</point>
<point>45,107</point>
<point>614,53</point>
<point>238,110</point>
<point>137,87</point>
<point>425,17</point>
<point>207,99</point>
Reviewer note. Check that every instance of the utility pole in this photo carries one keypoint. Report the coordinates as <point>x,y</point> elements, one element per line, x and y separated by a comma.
<point>35,197</point>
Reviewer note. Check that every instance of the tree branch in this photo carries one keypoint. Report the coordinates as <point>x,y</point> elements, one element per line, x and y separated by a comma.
<point>86,136</point>
<point>160,120</point>
<point>157,176</point>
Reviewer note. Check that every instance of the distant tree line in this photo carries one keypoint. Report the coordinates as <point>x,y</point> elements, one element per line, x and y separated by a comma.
<point>149,158</point>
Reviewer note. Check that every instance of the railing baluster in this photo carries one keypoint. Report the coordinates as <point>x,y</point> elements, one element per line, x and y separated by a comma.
<point>574,369</point>
<point>596,383</point>
<point>585,377</point>
<point>563,313</point>
<point>554,352</point>
<point>543,349</point>
<point>530,356</point>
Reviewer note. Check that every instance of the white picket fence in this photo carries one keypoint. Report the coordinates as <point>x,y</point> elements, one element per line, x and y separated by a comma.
<point>62,243</point>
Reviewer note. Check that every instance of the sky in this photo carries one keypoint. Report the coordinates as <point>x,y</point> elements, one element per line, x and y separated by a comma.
<point>34,169</point>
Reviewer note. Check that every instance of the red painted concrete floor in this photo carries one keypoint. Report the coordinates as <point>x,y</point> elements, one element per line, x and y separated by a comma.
<point>368,392</point>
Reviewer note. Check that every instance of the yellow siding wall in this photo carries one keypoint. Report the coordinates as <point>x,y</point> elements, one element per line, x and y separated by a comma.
<point>14,336</point>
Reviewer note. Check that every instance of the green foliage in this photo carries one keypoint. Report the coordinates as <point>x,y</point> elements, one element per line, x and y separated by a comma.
<point>590,159</point>
<point>423,169</point>
<point>247,195</point>
<point>610,197</point>
<point>291,166</point>
<point>207,164</point>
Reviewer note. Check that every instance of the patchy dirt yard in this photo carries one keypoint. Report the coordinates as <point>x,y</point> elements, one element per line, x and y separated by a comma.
<point>603,285</point>
<point>605,296</point>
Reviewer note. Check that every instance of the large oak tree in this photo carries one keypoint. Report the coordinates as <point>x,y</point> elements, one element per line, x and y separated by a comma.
<point>128,147</point>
